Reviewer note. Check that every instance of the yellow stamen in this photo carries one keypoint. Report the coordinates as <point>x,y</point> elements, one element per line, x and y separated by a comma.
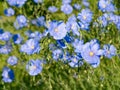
<point>91,53</point>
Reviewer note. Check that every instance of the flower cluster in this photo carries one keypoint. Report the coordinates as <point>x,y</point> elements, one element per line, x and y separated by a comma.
<point>65,39</point>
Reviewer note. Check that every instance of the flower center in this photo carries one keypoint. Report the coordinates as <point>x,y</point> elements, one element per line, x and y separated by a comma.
<point>91,53</point>
<point>32,47</point>
<point>84,17</point>
<point>56,30</point>
<point>34,67</point>
<point>72,26</point>
<point>12,60</point>
<point>104,6</point>
<point>75,60</point>
<point>108,52</point>
<point>6,75</point>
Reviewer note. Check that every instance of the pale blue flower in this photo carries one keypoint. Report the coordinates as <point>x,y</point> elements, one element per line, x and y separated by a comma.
<point>57,30</point>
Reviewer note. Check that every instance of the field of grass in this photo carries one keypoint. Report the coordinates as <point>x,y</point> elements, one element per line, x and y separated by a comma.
<point>57,75</point>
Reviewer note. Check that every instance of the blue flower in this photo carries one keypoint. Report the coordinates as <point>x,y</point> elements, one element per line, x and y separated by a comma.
<point>66,1</point>
<point>91,53</point>
<point>85,3</point>
<point>109,51</point>
<point>78,44</point>
<point>17,3</point>
<point>83,26</point>
<point>12,60</point>
<point>77,6</point>
<point>34,67</point>
<point>57,54</point>
<point>110,17</point>
<point>38,1</point>
<point>20,22</point>
<point>9,12</point>
<point>75,61</point>
<point>66,8</point>
<point>34,35</point>
<point>71,25</point>
<point>7,75</point>
<point>17,38</point>
<point>103,21</point>
<point>72,18</point>
<point>114,18</point>
<point>106,6</point>
<point>40,21</point>
<point>52,9</point>
<point>30,47</point>
<point>6,49</point>
<point>57,30</point>
<point>85,16</point>
<point>6,36</point>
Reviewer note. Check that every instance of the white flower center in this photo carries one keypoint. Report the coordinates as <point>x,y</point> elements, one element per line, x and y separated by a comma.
<point>56,30</point>
<point>84,17</point>
<point>75,60</point>
<point>32,47</point>
<point>104,6</point>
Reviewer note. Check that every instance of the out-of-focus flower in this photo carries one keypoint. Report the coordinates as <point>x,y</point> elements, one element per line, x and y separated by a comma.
<point>6,49</point>
<point>17,38</point>
<point>6,36</point>
<point>102,21</point>
<point>40,21</point>
<point>17,3</point>
<point>9,12</point>
<point>34,35</point>
<point>52,9</point>
<point>38,1</point>
<point>34,67</point>
<point>57,54</point>
<point>12,60</point>
<point>106,6</point>
<point>20,22</point>
<point>66,8</point>
<point>75,61</point>
<point>66,1</point>
<point>109,51</point>
<point>30,47</point>
<point>7,75</point>
<point>78,44</point>
<point>85,3</point>
<point>73,25</point>
<point>77,6</point>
